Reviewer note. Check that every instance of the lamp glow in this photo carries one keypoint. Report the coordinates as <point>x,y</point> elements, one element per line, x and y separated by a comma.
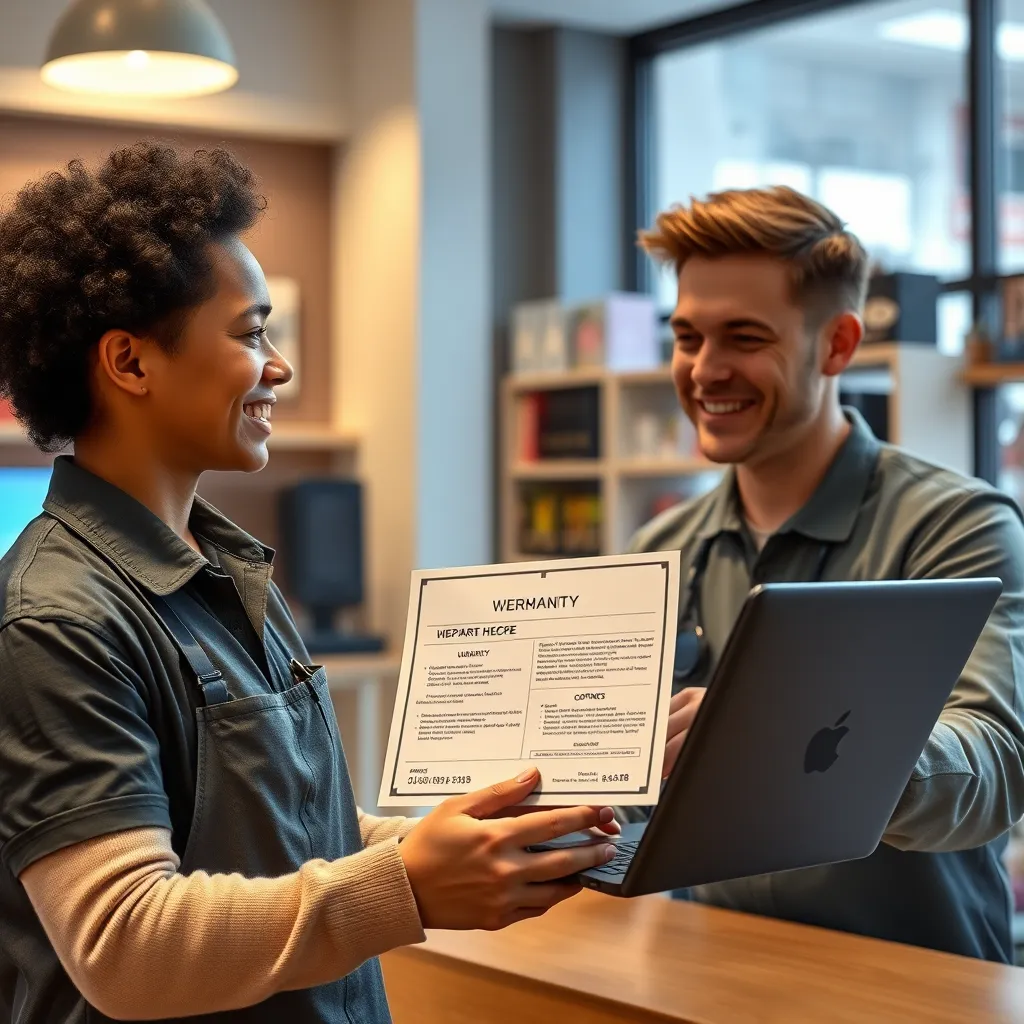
<point>157,49</point>
<point>138,73</point>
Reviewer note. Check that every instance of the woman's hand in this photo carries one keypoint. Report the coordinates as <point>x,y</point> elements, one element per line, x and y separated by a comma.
<point>681,712</point>
<point>469,868</point>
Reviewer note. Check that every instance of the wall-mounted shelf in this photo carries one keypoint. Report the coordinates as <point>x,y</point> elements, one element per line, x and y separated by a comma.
<point>550,381</point>
<point>297,451</point>
<point>286,437</point>
<point>559,469</point>
<point>657,467</point>
<point>991,375</point>
<point>311,437</point>
<point>11,433</point>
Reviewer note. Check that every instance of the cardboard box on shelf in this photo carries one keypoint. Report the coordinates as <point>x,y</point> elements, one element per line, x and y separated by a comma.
<point>618,332</point>
<point>539,342</point>
<point>663,436</point>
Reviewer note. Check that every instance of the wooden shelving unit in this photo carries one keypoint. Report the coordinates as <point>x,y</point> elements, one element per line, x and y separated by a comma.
<point>927,406</point>
<point>628,478</point>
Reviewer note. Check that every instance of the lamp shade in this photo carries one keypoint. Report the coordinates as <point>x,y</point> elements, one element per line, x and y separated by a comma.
<point>150,48</point>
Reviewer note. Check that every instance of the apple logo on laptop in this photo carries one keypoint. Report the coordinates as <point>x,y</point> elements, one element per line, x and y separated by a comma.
<point>822,751</point>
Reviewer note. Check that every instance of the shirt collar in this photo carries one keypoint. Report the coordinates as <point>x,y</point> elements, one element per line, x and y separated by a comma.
<point>831,511</point>
<point>138,542</point>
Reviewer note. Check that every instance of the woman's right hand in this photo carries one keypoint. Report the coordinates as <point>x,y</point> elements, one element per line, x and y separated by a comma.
<point>470,870</point>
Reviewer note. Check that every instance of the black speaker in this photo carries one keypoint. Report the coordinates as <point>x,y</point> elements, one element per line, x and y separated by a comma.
<point>902,307</point>
<point>321,529</point>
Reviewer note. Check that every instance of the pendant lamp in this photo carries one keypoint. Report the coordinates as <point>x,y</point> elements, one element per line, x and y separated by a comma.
<point>140,48</point>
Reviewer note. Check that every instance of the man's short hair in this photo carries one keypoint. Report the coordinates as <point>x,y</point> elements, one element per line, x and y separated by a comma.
<point>828,265</point>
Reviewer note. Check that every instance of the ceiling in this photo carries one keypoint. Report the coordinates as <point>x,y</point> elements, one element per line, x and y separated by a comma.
<point>846,37</point>
<point>622,17</point>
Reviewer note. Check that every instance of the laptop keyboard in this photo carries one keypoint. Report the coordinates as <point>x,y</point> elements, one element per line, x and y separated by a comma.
<point>623,855</point>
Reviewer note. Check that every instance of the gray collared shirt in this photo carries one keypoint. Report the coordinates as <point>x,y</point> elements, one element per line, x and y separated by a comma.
<point>881,513</point>
<point>97,707</point>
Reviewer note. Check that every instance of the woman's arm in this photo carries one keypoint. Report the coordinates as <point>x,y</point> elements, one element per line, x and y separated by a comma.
<point>378,830</point>
<point>142,941</point>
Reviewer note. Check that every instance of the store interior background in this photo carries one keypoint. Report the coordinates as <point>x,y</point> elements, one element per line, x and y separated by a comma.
<point>432,163</point>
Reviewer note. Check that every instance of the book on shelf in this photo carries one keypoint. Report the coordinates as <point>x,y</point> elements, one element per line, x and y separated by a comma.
<point>559,424</point>
<point>560,519</point>
<point>528,427</point>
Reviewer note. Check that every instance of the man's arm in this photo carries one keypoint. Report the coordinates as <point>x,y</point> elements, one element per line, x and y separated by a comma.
<point>968,785</point>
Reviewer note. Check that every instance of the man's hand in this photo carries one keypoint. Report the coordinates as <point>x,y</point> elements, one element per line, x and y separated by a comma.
<point>470,869</point>
<point>682,710</point>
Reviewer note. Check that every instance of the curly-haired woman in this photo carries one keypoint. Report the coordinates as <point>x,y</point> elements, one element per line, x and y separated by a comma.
<point>178,835</point>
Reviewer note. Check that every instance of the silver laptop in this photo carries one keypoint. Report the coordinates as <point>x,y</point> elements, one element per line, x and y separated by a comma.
<point>815,716</point>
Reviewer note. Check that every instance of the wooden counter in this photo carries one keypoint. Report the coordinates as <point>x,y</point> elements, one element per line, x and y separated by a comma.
<point>596,960</point>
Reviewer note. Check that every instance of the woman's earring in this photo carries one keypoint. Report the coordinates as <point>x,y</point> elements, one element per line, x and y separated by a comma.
<point>142,390</point>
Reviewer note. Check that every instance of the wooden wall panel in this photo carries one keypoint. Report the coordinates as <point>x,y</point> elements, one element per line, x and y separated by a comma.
<point>293,238</point>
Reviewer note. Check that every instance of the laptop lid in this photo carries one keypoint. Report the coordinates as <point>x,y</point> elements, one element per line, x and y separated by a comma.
<point>816,714</point>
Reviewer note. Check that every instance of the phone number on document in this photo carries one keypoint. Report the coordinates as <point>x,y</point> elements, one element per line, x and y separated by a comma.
<point>440,780</point>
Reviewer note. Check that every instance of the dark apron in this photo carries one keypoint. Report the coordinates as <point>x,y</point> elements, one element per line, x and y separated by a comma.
<point>272,792</point>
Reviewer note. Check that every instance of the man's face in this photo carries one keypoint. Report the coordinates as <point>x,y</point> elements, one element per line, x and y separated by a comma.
<point>212,395</point>
<point>744,364</point>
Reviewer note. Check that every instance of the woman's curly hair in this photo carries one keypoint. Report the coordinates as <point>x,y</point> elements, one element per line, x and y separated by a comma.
<point>86,251</point>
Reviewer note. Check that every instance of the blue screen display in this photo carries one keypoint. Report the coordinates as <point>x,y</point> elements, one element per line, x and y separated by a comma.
<point>22,490</point>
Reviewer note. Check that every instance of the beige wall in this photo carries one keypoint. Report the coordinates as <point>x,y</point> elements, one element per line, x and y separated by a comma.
<point>292,238</point>
<point>376,291</point>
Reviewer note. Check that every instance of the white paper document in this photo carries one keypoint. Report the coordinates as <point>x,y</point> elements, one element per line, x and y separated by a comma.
<point>565,665</point>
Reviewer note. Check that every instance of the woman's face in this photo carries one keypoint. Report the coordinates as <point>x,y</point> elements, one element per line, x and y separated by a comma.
<point>212,396</point>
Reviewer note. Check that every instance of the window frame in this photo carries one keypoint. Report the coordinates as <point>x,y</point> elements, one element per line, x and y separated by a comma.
<point>984,101</point>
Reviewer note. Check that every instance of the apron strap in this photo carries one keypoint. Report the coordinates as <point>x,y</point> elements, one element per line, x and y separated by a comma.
<point>211,682</point>
<point>212,687</point>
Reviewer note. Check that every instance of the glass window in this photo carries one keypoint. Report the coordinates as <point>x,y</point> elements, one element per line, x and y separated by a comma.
<point>862,108</point>
<point>1010,434</point>
<point>954,315</point>
<point>1010,48</point>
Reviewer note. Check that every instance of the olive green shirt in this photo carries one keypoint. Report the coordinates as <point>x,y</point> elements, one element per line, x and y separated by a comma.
<point>882,513</point>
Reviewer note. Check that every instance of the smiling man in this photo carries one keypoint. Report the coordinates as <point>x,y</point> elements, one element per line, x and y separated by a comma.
<point>768,316</point>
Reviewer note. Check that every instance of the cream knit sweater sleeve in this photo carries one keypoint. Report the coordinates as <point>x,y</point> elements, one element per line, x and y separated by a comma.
<point>142,941</point>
